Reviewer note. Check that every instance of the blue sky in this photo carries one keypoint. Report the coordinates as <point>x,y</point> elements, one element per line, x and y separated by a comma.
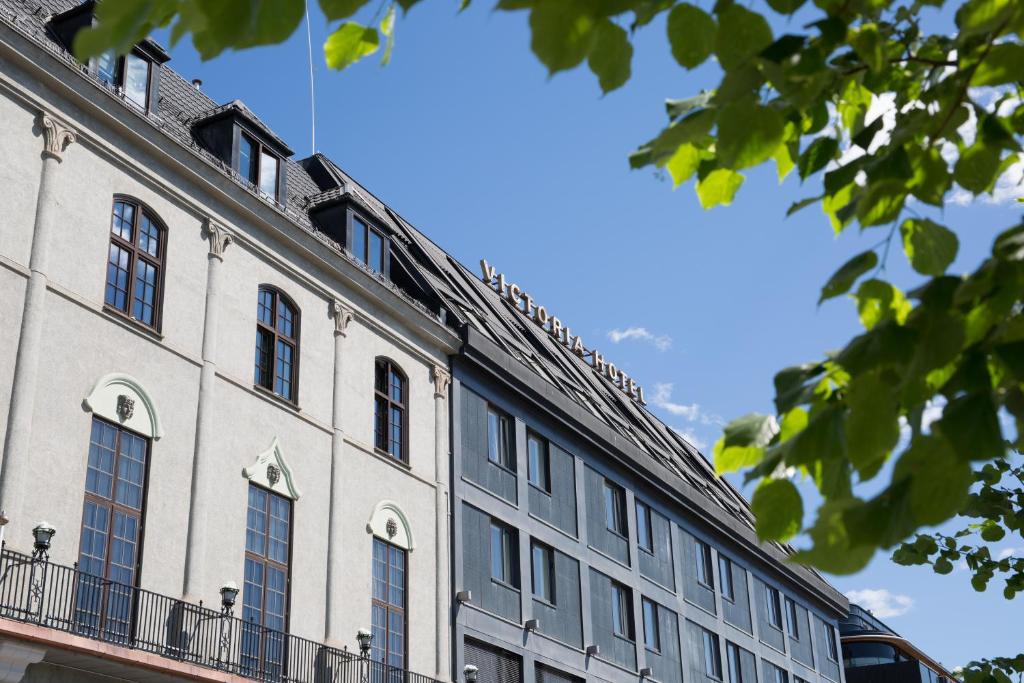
<point>467,137</point>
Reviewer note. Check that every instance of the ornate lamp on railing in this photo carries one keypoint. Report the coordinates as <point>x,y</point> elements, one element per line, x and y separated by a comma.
<point>228,595</point>
<point>469,673</point>
<point>364,637</point>
<point>43,533</point>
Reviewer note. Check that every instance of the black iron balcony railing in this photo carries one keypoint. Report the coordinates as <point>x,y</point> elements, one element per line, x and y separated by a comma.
<point>36,591</point>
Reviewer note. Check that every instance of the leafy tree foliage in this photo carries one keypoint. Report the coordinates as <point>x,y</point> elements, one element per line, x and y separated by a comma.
<point>884,119</point>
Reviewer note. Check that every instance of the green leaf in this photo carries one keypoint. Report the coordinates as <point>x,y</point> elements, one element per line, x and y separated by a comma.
<point>929,247</point>
<point>970,424</point>
<point>793,422</point>
<point>238,24</point>
<point>339,9</point>
<point>778,510</point>
<point>677,108</point>
<point>683,164</point>
<point>718,187</point>
<point>817,155</point>
<point>991,532</point>
<point>942,566</point>
<point>660,149</point>
<point>939,480</point>
<point>350,43</point>
<point>562,33</point>
<point>610,56</point>
<point>1004,63</point>
<point>824,438</point>
<point>748,134</point>
<point>843,279</point>
<point>872,427</point>
<point>881,203</point>
<point>741,34</point>
<point>742,442</point>
<point>982,16</point>
<point>387,27</point>
<point>869,46</point>
<point>691,34</point>
<point>832,550</point>
<point>120,25</point>
<point>783,162</point>
<point>878,301</point>
<point>931,179</point>
<point>976,168</point>
<point>786,6</point>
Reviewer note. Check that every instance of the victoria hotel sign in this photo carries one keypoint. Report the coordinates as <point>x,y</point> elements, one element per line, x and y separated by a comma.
<point>559,331</point>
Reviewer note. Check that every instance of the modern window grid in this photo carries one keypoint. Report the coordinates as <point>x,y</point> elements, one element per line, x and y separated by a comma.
<point>538,462</point>
<point>543,565</point>
<point>277,343</point>
<point>390,579</point>
<point>622,611</point>
<point>367,245</point>
<point>705,567</point>
<point>644,527</point>
<point>712,655</point>
<point>135,263</point>
<point>732,655</point>
<point>728,588</point>
<point>502,554</point>
<point>774,607</point>
<point>652,629</point>
<point>131,74</point>
<point>265,593</point>
<point>258,166</point>
<point>792,623</point>
<point>499,439</point>
<point>111,534</point>
<point>390,409</point>
<point>615,508</point>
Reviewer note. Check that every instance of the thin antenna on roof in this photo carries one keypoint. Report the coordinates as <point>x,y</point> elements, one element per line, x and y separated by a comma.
<point>312,90</point>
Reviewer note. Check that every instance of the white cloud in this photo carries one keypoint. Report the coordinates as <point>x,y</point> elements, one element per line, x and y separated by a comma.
<point>694,440</point>
<point>880,602</point>
<point>662,398</point>
<point>1010,552</point>
<point>662,342</point>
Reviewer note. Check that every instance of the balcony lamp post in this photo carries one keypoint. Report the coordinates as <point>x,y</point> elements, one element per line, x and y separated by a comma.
<point>43,533</point>
<point>364,637</point>
<point>228,595</point>
<point>469,672</point>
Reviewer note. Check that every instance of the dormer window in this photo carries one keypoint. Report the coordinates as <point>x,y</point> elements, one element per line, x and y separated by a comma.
<point>130,74</point>
<point>367,245</point>
<point>257,165</point>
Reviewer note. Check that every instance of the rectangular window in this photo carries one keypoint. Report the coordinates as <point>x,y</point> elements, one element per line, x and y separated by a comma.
<point>538,463</point>
<point>615,508</point>
<point>774,606</point>
<point>499,439</point>
<point>136,80</point>
<point>776,675</point>
<point>732,654</point>
<point>265,593</point>
<point>725,578</point>
<point>388,604</point>
<point>791,619</point>
<point>502,554</point>
<point>367,245</point>
<point>543,559</point>
<point>247,158</point>
<point>622,611</point>
<point>705,568</point>
<point>268,174</point>
<point>644,530</point>
<point>712,655</point>
<point>652,629</point>
<point>830,644</point>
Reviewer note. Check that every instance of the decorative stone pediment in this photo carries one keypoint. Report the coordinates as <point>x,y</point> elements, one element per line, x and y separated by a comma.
<point>121,399</point>
<point>390,523</point>
<point>271,471</point>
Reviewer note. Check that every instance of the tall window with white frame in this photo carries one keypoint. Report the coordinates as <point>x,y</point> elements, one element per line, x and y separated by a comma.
<point>615,508</point>
<point>499,439</point>
<point>705,564</point>
<point>112,521</point>
<point>277,344</point>
<point>543,566</point>
<point>390,408</point>
<point>622,611</point>
<point>135,263</point>
<point>652,629</point>
<point>389,604</point>
<point>265,593</point>
<point>725,579</point>
<point>712,655</point>
<point>538,462</point>
<point>773,606</point>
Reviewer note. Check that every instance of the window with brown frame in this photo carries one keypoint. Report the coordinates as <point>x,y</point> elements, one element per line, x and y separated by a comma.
<point>111,535</point>
<point>277,344</point>
<point>265,594</point>
<point>135,263</point>
<point>388,645</point>
<point>390,409</point>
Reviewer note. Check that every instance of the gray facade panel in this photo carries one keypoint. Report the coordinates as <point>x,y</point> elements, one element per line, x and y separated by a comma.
<point>657,566</point>
<point>666,665</point>
<point>488,594</point>
<point>800,647</point>
<point>475,465</point>
<point>614,648</point>
<point>768,633</point>
<point>599,536</point>
<point>827,666</point>
<point>563,620</point>
<point>737,611</point>
<point>694,590</point>
<point>557,508</point>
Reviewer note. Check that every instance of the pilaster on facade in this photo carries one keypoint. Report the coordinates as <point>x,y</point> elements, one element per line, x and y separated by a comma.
<point>56,137</point>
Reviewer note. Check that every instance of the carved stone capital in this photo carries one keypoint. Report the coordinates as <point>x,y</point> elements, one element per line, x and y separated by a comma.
<point>342,315</point>
<point>56,137</point>
<point>442,378</point>
<point>219,238</point>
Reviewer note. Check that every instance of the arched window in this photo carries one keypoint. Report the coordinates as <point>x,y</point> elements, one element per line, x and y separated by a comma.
<point>135,262</point>
<point>390,409</point>
<point>277,344</point>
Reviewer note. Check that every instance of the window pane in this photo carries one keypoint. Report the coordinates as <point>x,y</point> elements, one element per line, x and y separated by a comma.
<point>247,158</point>
<point>283,369</point>
<point>380,423</point>
<point>268,174</point>
<point>725,576</point>
<point>643,527</point>
<point>498,553</point>
<point>358,240</point>
<point>123,221</point>
<point>543,579</point>
<point>375,257</point>
<point>118,264</point>
<point>732,653</point>
<point>136,81</point>
<point>106,67</point>
<point>703,558</point>
<point>149,236</point>
<point>533,467</point>
<point>652,634</point>
<point>144,303</point>
<point>285,319</point>
<point>712,657</point>
<point>494,446</point>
